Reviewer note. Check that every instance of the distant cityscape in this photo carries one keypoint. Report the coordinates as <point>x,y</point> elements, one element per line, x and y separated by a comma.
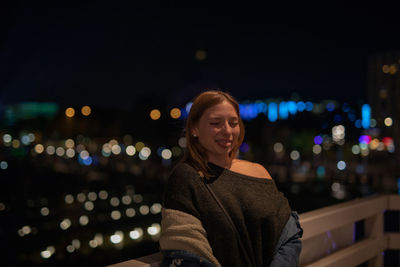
<point>73,195</point>
<point>83,185</point>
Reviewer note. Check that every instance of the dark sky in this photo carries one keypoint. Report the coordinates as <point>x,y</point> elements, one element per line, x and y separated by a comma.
<point>114,56</point>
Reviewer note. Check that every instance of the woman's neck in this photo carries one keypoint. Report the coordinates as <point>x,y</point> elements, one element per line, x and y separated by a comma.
<point>222,162</point>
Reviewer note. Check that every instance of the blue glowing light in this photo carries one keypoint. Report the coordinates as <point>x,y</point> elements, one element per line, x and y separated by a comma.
<point>345,107</point>
<point>309,106</point>
<point>248,111</point>
<point>87,161</point>
<point>366,116</point>
<point>364,139</point>
<point>330,107</point>
<point>318,140</point>
<point>244,147</point>
<point>261,107</point>
<point>283,110</point>
<point>292,107</point>
<point>25,140</point>
<point>272,112</point>
<point>398,185</point>
<point>341,165</point>
<point>321,172</point>
<point>301,106</point>
<point>358,123</point>
<point>188,107</point>
<point>184,113</point>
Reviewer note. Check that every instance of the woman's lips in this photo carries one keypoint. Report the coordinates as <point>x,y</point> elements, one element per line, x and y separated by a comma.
<point>224,143</point>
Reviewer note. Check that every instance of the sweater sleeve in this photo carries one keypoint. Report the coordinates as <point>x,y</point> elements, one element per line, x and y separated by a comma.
<point>181,226</point>
<point>181,190</point>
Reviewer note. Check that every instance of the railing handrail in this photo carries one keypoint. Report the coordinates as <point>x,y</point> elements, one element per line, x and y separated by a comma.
<point>326,219</point>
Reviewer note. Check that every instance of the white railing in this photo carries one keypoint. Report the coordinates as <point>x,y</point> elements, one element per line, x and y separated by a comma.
<point>328,238</point>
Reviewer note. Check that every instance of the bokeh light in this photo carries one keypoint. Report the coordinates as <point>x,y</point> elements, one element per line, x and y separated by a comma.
<point>295,155</point>
<point>86,110</point>
<point>318,140</point>
<point>278,147</point>
<point>341,165</point>
<point>70,112</point>
<point>175,113</point>
<point>3,165</point>
<point>130,150</point>
<point>317,149</point>
<point>388,121</point>
<point>200,55</point>
<point>155,114</point>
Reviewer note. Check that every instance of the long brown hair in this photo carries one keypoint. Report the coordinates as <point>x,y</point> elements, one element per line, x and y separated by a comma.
<point>195,153</point>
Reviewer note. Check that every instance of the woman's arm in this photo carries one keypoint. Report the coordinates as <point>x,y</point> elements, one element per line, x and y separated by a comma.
<point>183,235</point>
<point>287,251</point>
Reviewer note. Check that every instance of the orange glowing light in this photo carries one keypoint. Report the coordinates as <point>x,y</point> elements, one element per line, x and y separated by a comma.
<point>155,114</point>
<point>175,113</point>
<point>393,69</point>
<point>385,69</point>
<point>200,55</point>
<point>70,112</point>
<point>86,110</point>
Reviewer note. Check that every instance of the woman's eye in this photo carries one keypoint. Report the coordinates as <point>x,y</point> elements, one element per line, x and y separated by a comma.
<point>234,124</point>
<point>214,123</point>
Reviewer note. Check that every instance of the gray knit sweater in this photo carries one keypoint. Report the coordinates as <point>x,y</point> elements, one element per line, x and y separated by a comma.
<point>258,210</point>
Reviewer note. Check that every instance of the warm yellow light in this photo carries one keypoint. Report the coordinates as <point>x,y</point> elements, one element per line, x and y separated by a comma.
<point>374,144</point>
<point>385,68</point>
<point>39,148</point>
<point>383,94</point>
<point>139,146</point>
<point>70,112</point>
<point>393,69</point>
<point>388,121</point>
<point>15,143</point>
<point>69,143</point>
<point>155,114</point>
<point>175,113</point>
<point>86,110</point>
<point>200,55</point>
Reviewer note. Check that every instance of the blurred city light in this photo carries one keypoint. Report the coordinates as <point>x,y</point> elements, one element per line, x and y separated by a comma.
<point>3,165</point>
<point>175,113</point>
<point>117,237</point>
<point>70,112</point>
<point>130,150</point>
<point>86,110</point>
<point>137,233</point>
<point>294,155</point>
<point>272,112</point>
<point>366,116</point>
<point>388,121</point>
<point>278,147</point>
<point>155,114</point>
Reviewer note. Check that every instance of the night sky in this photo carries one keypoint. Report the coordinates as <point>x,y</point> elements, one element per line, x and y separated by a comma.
<point>112,56</point>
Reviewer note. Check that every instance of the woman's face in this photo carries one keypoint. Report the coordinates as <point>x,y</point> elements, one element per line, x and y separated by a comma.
<point>218,131</point>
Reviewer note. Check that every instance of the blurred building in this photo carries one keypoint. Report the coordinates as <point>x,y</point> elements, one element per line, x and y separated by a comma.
<point>384,92</point>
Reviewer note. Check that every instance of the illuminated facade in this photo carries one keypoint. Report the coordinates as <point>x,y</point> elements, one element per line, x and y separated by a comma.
<point>384,92</point>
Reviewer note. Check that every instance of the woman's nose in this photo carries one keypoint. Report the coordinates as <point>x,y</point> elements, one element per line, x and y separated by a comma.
<point>226,128</point>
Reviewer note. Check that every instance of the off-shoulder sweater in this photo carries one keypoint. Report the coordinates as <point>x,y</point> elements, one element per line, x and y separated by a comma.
<point>258,210</point>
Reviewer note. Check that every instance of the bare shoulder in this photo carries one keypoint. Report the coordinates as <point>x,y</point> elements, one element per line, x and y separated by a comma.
<point>250,168</point>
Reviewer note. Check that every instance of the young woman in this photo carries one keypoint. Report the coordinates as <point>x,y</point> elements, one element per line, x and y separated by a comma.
<point>219,210</point>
